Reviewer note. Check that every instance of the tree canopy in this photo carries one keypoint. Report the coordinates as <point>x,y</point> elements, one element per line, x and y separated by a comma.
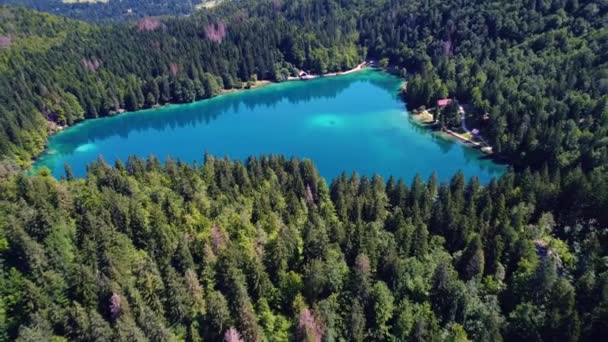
<point>266,250</point>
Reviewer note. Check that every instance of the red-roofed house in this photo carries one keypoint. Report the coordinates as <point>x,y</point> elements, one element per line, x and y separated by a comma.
<point>443,102</point>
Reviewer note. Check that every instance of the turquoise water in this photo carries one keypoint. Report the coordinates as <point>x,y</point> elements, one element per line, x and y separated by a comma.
<point>348,123</point>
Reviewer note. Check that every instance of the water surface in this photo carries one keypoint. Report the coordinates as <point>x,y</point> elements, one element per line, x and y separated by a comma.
<point>348,123</point>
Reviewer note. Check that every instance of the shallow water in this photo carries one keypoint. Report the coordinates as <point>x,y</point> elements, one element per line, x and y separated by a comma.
<point>348,123</point>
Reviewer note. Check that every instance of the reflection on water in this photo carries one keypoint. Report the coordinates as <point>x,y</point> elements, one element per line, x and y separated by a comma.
<point>354,122</point>
<point>203,112</point>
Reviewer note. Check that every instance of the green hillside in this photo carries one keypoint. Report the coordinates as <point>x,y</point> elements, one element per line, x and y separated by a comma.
<point>539,75</point>
<point>81,71</point>
<point>109,11</point>
<point>266,250</point>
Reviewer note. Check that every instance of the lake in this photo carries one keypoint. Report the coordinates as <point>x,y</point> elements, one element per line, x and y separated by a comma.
<point>354,122</point>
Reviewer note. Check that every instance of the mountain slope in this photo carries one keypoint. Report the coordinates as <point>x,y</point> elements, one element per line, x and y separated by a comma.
<point>267,251</point>
<point>535,77</point>
<point>107,11</point>
<point>83,71</point>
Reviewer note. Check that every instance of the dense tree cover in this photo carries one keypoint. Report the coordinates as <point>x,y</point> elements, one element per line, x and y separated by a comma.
<point>107,11</point>
<point>56,70</point>
<point>539,69</point>
<point>265,250</point>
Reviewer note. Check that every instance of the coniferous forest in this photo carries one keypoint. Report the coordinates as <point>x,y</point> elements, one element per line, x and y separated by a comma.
<point>266,249</point>
<point>109,11</point>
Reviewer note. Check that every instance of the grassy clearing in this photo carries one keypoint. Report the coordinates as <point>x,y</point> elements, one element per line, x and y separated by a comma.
<point>423,116</point>
<point>207,4</point>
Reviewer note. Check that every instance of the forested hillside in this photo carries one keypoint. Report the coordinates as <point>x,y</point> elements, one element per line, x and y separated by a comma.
<point>108,11</point>
<point>266,251</point>
<point>60,71</point>
<point>538,69</point>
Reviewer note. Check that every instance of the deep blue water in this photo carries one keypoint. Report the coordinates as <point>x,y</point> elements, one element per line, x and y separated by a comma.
<point>348,123</point>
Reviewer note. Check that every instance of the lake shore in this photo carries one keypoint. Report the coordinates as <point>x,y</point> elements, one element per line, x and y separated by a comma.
<point>55,128</point>
<point>422,118</point>
<point>425,119</point>
<point>308,76</point>
<point>263,83</point>
<point>360,112</point>
<point>254,85</point>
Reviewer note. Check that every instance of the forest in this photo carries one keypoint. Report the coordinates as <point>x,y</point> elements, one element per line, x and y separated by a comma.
<point>109,11</point>
<point>266,249</point>
<point>55,71</point>
<point>536,69</point>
